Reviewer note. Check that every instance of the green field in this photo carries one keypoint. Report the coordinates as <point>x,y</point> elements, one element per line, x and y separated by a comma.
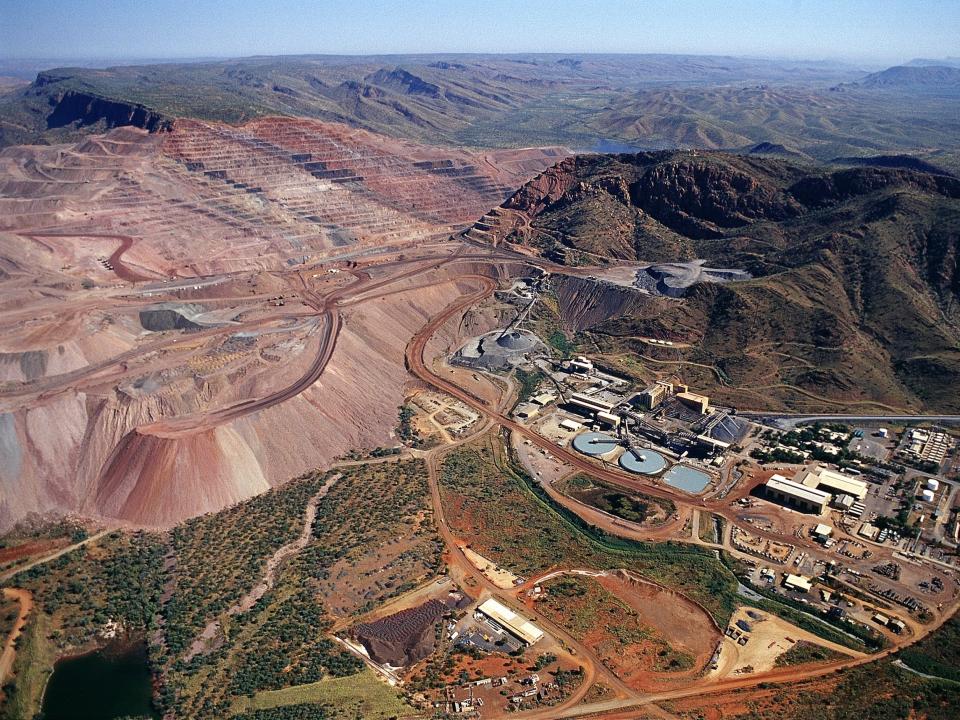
<point>361,695</point>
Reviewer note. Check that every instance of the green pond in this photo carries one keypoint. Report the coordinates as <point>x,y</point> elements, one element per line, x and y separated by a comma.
<point>102,685</point>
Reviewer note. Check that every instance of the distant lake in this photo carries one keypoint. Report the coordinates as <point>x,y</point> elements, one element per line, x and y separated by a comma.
<point>102,685</point>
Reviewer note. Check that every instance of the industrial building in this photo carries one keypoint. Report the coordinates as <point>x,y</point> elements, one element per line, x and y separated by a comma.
<point>543,399</point>
<point>591,405</point>
<point>651,398</point>
<point>822,532</point>
<point>835,483</point>
<point>517,625</point>
<point>797,582</point>
<point>580,365</point>
<point>526,412</point>
<point>608,419</point>
<point>698,402</point>
<point>795,495</point>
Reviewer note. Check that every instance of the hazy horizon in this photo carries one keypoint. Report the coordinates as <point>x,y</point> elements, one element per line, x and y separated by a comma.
<point>858,31</point>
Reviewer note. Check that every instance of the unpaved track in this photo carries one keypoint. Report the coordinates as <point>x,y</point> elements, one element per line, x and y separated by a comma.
<point>47,558</point>
<point>121,270</point>
<point>245,603</point>
<point>591,668</point>
<point>25,600</point>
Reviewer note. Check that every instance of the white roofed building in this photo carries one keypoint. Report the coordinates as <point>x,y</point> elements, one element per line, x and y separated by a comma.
<point>515,624</point>
<point>835,483</point>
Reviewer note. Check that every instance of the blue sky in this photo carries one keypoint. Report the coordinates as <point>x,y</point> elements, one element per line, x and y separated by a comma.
<point>884,31</point>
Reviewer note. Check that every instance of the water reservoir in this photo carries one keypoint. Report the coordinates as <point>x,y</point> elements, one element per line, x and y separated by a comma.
<point>687,479</point>
<point>102,685</point>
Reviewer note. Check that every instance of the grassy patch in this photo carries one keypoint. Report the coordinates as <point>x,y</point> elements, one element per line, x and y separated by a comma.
<point>806,652</point>
<point>615,630</point>
<point>529,381</point>
<point>361,695</point>
<point>878,691</point>
<point>635,507</point>
<point>31,668</point>
<point>559,341</point>
<point>709,523</point>
<point>937,654</point>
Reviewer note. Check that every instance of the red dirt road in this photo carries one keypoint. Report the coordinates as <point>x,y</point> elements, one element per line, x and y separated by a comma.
<point>121,270</point>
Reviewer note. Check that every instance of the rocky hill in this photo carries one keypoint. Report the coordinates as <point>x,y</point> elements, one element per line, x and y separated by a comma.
<point>855,296</point>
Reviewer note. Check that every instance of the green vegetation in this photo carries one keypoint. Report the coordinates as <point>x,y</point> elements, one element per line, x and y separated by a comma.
<point>635,507</point>
<point>361,694</point>
<point>937,654</point>
<point>559,341</point>
<point>9,611</point>
<point>291,712</point>
<point>529,382</point>
<point>878,691</point>
<point>709,526</point>
<point>244,537</point>
<point>292,648</point>
<point>405,429</point>
<point>372,539</point>
<point>117,580</point>
<point>806,652</point>
<point>32,666</point>
<point>514,522</point>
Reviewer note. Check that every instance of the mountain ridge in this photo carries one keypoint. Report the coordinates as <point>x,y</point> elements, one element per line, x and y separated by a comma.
<point>856,270</point>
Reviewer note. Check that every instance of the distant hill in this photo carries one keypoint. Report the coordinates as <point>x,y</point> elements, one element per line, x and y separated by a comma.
<point>856,289</point>
<point>767,148</point>
<point>907,162</point>
<point>923,62</point>
<point>939,78</point>
<point>431,97</point>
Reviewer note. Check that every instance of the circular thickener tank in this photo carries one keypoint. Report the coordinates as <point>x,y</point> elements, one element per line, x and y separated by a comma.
<point>933,484</point>
<point>927,496</point>
<point>594,444</point>
<point>642,461</point>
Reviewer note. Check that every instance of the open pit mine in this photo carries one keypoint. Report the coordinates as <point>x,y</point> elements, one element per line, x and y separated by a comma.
<point>193,316</point>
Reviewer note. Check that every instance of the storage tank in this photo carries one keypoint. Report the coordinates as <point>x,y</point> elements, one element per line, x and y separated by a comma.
<point>933,484</point>
<point>927,496</point>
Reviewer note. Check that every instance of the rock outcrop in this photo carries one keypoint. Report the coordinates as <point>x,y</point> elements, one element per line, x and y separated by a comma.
<point>79,108</point>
